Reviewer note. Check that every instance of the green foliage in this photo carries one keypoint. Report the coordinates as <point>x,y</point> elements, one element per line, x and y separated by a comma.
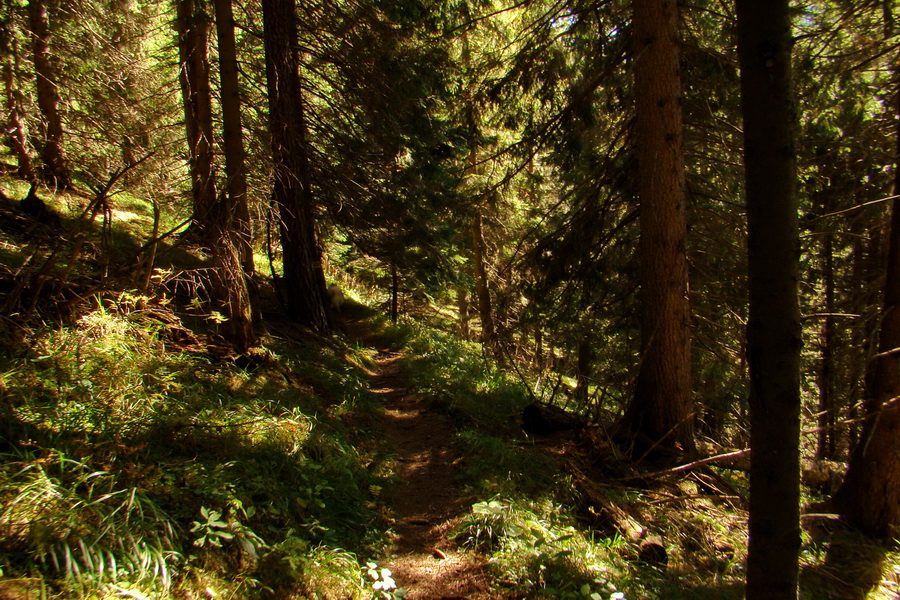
<point>89,526</point>
<point>136,465</point>
<point>536,546</point>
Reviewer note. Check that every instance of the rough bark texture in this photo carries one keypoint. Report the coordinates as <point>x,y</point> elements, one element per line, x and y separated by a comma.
<point>55,170</point>
<point>15,124</point>
<point>232,134</point>
<point>231,290</point>
<point>774,329</point>
<point>303,273</point>
<point>660,413</point>
<point>869,498</point>
<point>193,33</point>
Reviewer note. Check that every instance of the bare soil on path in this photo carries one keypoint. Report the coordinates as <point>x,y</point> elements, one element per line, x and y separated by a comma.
<point>428,501</point>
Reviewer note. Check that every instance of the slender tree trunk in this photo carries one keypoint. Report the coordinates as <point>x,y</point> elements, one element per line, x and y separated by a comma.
<point>774,328</point>
<point>232,134</point>
<point>230,287</point>
<point>661,412</point>
<point>583,374</point>
<point>462,300</point>
<point>395,293</point>
<point>16,127</point>
<point>193,39</point>
<point>825,447</point>
<point>869,498</point>
<point>303,273</point>
<point>482,286</point>
<point>55,171</point>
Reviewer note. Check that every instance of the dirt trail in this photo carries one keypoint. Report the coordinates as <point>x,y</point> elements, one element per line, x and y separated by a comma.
<point>426,504</point>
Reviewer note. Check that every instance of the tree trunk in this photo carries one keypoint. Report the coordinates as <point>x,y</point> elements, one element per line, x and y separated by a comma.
<point>230,287</point>
<point>55,170</point>
<point>869,498</point>
<point>16,127</point>
<point>193,33</point>
<point>462,301</point>
<point>482,287</point>
<point>303,273</point>
<point>774,328</point>
<point>395,293</point>
<point>583,374</point>
<point>232,135</point>
<point>825,447</point>
<point>660,414</point>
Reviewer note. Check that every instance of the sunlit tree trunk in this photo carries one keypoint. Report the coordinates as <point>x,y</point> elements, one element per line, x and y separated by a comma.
<point>482,285</point>
<point>55,170</point>
<point>660,414</point>
<point>869,498</point>
<point>304,276</point>
<point>462,301</point>
<point>773,328</point>
<point>232,134</point>
<point>395,293</point>
<point>193,33</point>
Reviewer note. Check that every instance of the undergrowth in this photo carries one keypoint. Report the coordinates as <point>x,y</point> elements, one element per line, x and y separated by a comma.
<point>130,467</point>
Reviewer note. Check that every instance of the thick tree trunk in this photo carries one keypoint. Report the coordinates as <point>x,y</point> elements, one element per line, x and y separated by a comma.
<point>193,38</point>
<point>55,170</point>
<point>661,412</point>
<point>15,124</point>
<point>583,373</point>
<point>303,273</point>
<point>869,498</point>
<point>774,328</point>
<point>232,134</point>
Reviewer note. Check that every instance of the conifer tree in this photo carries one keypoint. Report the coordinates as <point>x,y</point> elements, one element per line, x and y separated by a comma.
<point>55,169</point>
<point>773,328</point>
<point>304,278</point>
<point>661,412</point>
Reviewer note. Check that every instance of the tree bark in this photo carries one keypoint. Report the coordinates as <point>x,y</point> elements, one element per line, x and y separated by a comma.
<point>292,193</point>
<point>15,124</point>
<point>55,171</point>
<point>482,286</point>
<point>583,372</point>
<point>774,328</point>
<point>395,293</point>
<point>232,135</point>
<point>661,412</point>
<point>825,447</point>
<point>462,301</point>
<point>869,498</point>
<point>193,32</point>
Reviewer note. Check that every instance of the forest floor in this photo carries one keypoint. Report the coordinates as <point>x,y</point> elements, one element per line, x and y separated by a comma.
<point>428,501</point>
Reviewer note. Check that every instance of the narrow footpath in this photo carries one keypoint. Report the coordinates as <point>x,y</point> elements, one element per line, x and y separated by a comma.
<point>427,502</point>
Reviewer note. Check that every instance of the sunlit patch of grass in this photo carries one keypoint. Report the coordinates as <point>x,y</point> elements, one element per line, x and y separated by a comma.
<point>537,551</point>
<point>72,521</point>
<point>230,460</point>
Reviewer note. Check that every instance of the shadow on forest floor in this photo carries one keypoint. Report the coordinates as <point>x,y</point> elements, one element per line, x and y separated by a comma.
<point>853,568</point>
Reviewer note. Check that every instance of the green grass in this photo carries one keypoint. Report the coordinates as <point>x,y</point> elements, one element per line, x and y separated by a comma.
<point>131,464</point>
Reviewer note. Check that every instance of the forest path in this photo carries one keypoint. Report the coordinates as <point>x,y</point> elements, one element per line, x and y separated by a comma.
<point>428,501</point>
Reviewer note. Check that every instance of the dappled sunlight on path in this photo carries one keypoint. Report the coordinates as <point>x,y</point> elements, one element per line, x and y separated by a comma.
<point>427,502</point>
